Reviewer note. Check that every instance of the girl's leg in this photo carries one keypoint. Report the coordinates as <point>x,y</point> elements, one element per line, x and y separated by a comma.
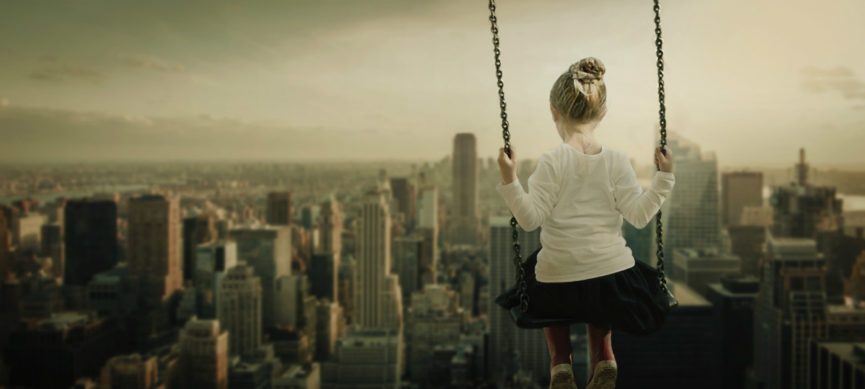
<point>559,343</point>
<point>600,347</point>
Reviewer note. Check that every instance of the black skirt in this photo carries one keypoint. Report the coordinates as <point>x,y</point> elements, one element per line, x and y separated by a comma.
<point>629,300</point>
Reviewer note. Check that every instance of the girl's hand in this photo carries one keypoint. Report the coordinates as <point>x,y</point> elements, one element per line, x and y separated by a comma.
<point>508,165</point>
<point>664,162</point>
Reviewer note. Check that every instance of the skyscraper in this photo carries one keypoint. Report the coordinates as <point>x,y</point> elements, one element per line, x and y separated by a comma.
<point>90,239</point>
<point>239,309</point>
<point>154,248</point>
<point>268,250</point>
<point>212,261</point>
<point>405,195</point>
<point>790,309</point>
<point>204,355</point>
<point>279,210</point>
<point>739,190</point>
<point>506,339</point>
<point>692,209</point>
<point>331,221</point>
<point>465,218</point>
<point>428,229</point>
<point>131,371</point>
<point>801,207</point>
<point>366,358</point>
<point>5,245</point>
<point>196,230</point>
<point>377,296</point>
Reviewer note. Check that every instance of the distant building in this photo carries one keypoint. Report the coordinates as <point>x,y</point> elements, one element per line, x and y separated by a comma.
<point>465,218</point>
<point>836,364</point>
<point>697,268</point>
<point>748,242</point>
<point>692,210</point>
<point>203,355</point>
<point>790,309</point>
<point>739,190</point>
<point>279,208</point>
<point>366,358</point>
<point>330,223</point>
<point>405,194</point>
<point>90,239</point>
<point>268,250</point>
<point>212,260</point>
<point>330,325</point>
<point>239,309</point>
<point>323,275</point>
<point>378,299</point>
<point>154,248</point>
<point>299,377</point>
<point>68,345</point>
<point>434,318</point>
<point>52,246</point>
<point>131,371</point>
<point>196,230</point>
<point>800,207</point>
<point>508,342</point>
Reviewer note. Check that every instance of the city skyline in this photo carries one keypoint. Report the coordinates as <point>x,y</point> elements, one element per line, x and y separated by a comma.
<point>345,81</point>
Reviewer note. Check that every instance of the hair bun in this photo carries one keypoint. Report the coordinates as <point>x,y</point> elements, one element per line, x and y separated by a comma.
<point>588,70</point>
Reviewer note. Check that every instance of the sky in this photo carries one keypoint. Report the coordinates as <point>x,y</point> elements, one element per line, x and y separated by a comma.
<point>93,80</point>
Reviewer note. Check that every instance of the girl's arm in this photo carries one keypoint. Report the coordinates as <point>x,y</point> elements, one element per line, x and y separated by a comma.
<point>532,209</point>
<point>635,205</point>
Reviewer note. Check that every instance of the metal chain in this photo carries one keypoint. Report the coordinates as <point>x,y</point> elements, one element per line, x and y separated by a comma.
<point>520,273</point>
<point>662,111</point>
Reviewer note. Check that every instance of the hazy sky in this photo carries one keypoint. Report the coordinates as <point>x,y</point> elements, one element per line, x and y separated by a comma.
<point>751,80</point>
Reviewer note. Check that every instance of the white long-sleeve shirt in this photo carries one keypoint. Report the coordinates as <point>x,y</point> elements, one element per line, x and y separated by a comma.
<point>579,200</point>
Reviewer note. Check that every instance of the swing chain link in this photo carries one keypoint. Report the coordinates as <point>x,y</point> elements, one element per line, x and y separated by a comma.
<point>520,272</point>
<point>662,112</point>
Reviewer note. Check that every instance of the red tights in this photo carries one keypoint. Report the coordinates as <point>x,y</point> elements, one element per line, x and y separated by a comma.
<point>559,343</point>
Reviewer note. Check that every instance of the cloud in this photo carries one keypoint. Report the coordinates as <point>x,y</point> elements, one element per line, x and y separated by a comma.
<point>35,134</point>
<point>145,62</point>
<point>839,79</point>
<point>57,70</point>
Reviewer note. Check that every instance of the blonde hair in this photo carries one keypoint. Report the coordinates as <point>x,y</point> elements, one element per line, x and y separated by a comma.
<point>580,94</point>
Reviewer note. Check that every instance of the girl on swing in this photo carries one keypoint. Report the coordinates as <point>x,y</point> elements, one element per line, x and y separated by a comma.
<point>579,193</point>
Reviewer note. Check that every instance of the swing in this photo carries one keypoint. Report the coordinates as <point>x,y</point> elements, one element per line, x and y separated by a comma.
<point>520,313</point>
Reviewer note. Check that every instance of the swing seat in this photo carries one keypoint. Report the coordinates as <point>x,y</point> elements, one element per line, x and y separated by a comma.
<point>510,300</point>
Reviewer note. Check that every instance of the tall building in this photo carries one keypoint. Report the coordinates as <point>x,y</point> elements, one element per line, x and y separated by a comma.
<point>748,242</point>
<point>323,274</point>
<point>434,318</point>
<point>405,194</point>
<point>131,371</point>
<point>739,190</point>
<point>800,207</point>
<point>692,210</point>
<point>836,363</point>
<point>279,210</point>
<point>507,341</point>
<point>30,232</point>
<point>408,256</point>
<point>204,355</point>
<point>465,217</point>
<point>428,228</point>
<point>52,246</point>
<point>154,249</point>
<point>640,241</point>
<point>330,225</point>
<point>683,353</point>
<point>90,239</point>
<point>268,250</point>
<point>377,296</point>
<point>366,358</point>
<point>5,247</point>
<point>52,352</point>
<point>733,300</point>
<point>196,230</point>
<point>790,309</point>
<point>698,268</point>
<point>212,261</point>
<point>330,324</point>
<point>239,309</point>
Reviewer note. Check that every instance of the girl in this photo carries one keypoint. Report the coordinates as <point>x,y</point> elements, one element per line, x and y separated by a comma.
<point>579,193</point>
